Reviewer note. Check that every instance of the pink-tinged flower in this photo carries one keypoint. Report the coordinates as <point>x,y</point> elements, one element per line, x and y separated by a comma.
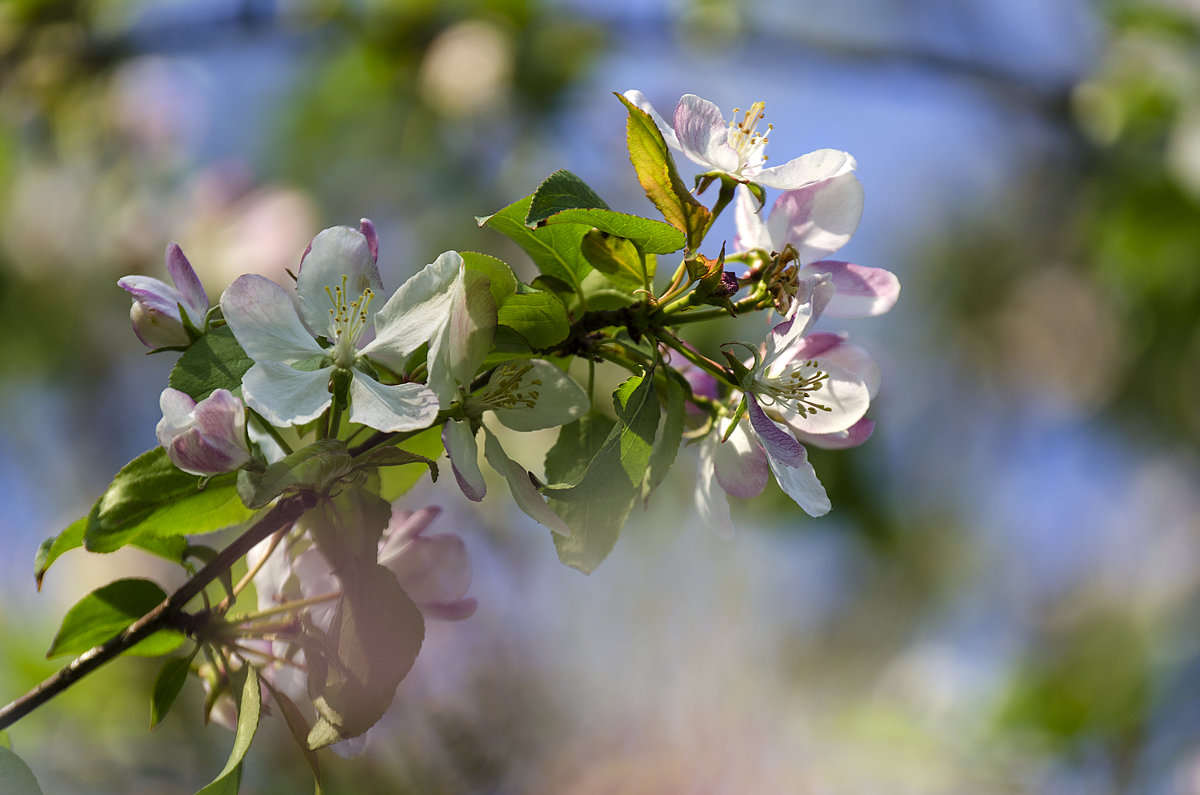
<point>205,438</point>
<point>162,314</point>
<point>698,129</point>
<point>433,570</point>
<point>803,388</point>
<point>289,383</point>
<point>816,221</point>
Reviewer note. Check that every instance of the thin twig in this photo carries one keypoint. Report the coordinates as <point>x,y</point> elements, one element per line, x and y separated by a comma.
<point>168,613</point>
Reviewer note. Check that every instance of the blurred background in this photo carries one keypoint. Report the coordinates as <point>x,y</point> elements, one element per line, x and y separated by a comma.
<point>1006,596</point>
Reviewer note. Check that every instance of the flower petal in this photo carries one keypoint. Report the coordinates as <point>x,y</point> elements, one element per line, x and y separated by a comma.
<point>265,323</point>
<point>459,441</point>
<point>432,568</point>
<point>859,291</point>
<point>820,218</point>
<point>844,394</point>
<point>195,300</point>
<point>703,134</point>
<point>806,169</point>
<point>853,436</point>
<point>779,444</point>
<point>462,343</point>
<point>801,484</point>
<point>399,407</point>
<point>415,312</point>
<point>284,395</point>
<point>739,462</point>
<point>711,503</point>
<point>177,408</point>
<point>524,494</point>
<point>335,253</point>
<point>558,398</point>
<point>752,230</point>
<point>813,293</point>
<point>405,526</point>
<point>153,293</point>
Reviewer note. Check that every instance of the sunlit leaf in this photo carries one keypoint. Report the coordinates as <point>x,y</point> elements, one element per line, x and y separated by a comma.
<point>107,611</point>
<point>249,709</point>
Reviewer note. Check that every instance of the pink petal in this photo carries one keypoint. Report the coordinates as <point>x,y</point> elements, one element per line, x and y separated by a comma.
<point>703,134</point>
<point>188,284</point>
<point>780,445</point>
<point>853,436</point>
<point>860,291</point>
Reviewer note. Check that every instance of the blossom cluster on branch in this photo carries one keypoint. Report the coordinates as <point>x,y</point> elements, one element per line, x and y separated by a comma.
<point>342,394</point>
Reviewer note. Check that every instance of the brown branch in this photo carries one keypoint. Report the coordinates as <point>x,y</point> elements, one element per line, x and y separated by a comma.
<point>169,613</point>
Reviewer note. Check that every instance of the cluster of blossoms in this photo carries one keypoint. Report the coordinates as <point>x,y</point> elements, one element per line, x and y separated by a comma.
<point>295,410</point>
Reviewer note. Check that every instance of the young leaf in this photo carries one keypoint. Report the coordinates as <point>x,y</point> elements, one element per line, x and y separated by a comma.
<point>107,611</point>
<point>653,237</point>
<point>595,507</point>
<point>150,496</point>
<point>298,725</point>
<point>560,191</point>
<point>52,548</point>
<point>554,249</point>
<point>249,709</point>
<point>617,258</point>
<point>372,643</point>
<point>215,361</point>
<point>395,481</point>
<point>540,319</point>
<point>15,776</point>
<point>666,446</point>
<point>168,684</point>
<point>315,466</point>
<point>659,177</point>
<point>501,278</point>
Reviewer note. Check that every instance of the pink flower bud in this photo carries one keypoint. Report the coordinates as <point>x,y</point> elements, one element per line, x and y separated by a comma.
<point>205,438</point>
<point>155,313</point>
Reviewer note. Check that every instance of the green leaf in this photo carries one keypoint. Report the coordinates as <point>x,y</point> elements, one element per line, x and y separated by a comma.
<point>670,434</point>
<point>560,191</point>
<point>373,640</point>
<point>150,497</point>
<point>215,361</point>
<point>107,611</point>
<point>540,319</point>
<point>653,237</point>
<point>617,258</point>
<point>596,506</point>
<point>313,467</point>
<point>171,548</point>
<point>15,776</point>
<point>298,726</point>
<point>395,481</point>
<point>501,277</point>
<point>168,684</point>
<point>4,741</point>
<point>249,709</point>
<point>554,249</point>
<point>659,177</point>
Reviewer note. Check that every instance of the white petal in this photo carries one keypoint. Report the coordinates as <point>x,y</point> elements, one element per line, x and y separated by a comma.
<point>399,407</point>
<point>336,252</point>
<point>559,400</point>
<point>739,462</point>
<point>752,230</point>
<point>711,502</point>
<point>524,494</point>
<point>703,134</point>
<point>819,219</point>
<point>284,395</point>
<point>843,392</point>
<point>806,169</point>
<point>415,312</point>
<point>459,441</point>
<point>801,484</point>
<point>462,343</point>
<point>195,300</point>
<point>265,323</point>
<point>860,291</point>
<point>177,410</point>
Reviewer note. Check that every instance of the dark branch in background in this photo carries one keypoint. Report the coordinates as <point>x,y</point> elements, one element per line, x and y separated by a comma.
<point>168,614</point>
